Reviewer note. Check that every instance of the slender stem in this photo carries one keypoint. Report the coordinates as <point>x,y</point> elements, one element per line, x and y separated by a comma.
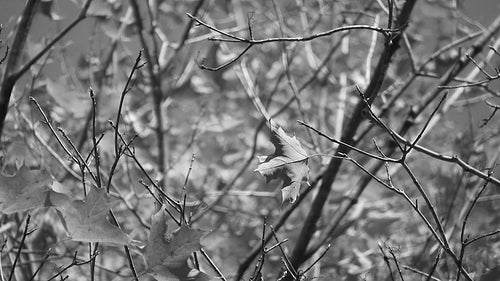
<point>125,90</point>
<point>94,139</point>
<point>18,254</point>
<point>212,264</point>
<point>153,70</point>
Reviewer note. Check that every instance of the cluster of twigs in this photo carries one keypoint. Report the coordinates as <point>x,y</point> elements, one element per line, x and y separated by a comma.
<point>91,170</point>
<point>303,250</point>
<point>312,243</point>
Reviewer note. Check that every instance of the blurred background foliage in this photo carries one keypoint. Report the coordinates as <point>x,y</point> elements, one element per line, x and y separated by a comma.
<point>209,114</point>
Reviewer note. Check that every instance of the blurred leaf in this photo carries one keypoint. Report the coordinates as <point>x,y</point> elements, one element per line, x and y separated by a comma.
<point>85,220</point>
<point>123,30</point>
<point>190,274</point>
<point>360,263</point>
<point>203,85</point>
<point>68,97</point>
<point>32,49</point>
<point>491,275</point>
<point>100,9</point>
<point>171,11</point>
<point>288,163</point>
<point>379,222</point>
<point>46,8</point>
<point>26,190</point>
<point>17,150</point>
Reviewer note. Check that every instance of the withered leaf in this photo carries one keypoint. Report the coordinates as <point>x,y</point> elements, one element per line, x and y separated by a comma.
<point>288,163</point>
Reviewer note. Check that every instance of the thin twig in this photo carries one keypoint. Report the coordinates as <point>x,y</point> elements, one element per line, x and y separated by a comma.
<point>184,193</point>
<point>125,90</point>
<point>175,204</point>
<point>157,92</point>
<point>451,159</point>
<point>74,262</point>
<point>316,261</point>
<point>97,156</point>
<point>237,39</point>
<point>421,133</point>
<point>495,109</point>
<point>49,124</point>
<point>387,261</point>
<point>40,266</point>
<point>260,263</point>
<point>434,265</point>
<point>212,264</point>
<point>348,145</point>
<point>286,261</point>
<point>126,248</point>
<point>252,42</point>
<point>397,264</point>
<point>429,277</point>
<point>18,254</point>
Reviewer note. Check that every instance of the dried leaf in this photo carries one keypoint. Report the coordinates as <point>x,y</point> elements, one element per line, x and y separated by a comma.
<point>288,163</point>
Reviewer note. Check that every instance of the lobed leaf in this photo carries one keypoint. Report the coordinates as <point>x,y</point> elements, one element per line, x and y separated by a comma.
<point>288,163</point>
<point>85,220</point>
<point>27,190</point>
<point>167,253</point>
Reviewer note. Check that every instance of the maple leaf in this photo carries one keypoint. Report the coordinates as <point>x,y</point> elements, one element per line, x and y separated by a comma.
<point>288,163</point>
<point>26,190</point>
<point>167,253</point>
<point>85,220</point>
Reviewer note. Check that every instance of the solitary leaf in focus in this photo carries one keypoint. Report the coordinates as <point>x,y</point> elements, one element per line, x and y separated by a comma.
<point>288,163</point>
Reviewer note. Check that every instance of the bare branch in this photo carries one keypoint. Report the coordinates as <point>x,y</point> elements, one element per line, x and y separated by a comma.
<point>252,42</point>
